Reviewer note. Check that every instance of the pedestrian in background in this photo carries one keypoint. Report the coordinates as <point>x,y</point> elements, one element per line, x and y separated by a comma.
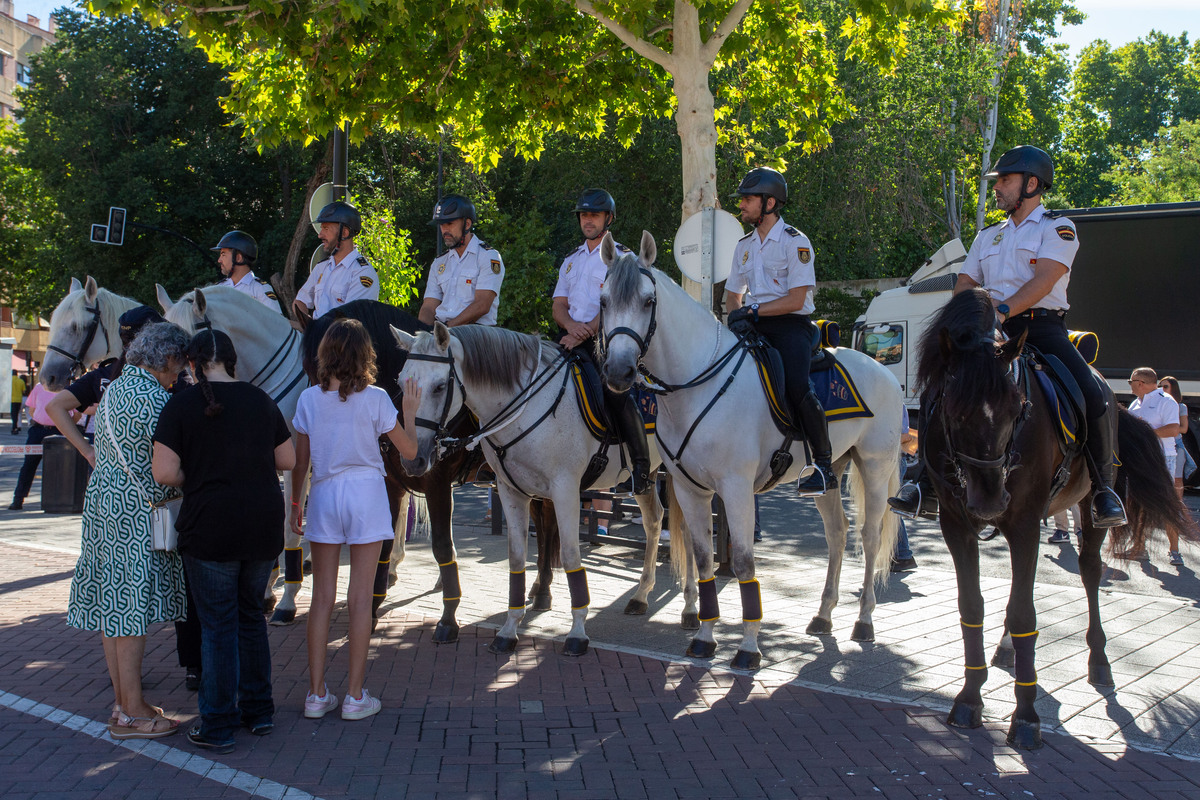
<point>338,425</point>
<point>1160,411</point>
<point>40,426</point>
<point>16,398</point>
<point>222,441</point>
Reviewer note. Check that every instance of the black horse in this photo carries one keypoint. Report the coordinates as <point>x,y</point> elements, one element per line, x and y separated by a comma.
<point>438,484</point>
<point>990,446</point>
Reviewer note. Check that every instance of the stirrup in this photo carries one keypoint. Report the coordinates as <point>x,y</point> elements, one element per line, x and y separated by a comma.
<point>808,486</point>
<point>926,505</point>
<point>1114,520</point>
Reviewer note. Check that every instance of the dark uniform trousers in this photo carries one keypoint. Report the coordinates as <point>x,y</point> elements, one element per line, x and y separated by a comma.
<point>622,409</point>
<point>1049,334</point>
<point>793,336</point>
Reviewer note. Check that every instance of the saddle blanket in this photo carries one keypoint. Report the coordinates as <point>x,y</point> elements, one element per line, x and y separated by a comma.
<point>1063,413</point>
<point>838,395</point>
<point>590,396</point>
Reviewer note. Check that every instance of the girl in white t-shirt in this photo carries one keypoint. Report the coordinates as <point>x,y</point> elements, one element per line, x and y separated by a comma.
<point>338,424</point>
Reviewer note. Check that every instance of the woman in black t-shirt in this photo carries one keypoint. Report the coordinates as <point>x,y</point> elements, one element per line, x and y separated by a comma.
<point>222,441</point>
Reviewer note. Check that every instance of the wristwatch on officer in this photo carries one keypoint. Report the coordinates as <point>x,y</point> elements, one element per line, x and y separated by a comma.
<point>754,311</point>
<point>1003,309</point>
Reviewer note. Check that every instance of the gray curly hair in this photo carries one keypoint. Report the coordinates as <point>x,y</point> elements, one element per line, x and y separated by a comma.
<point>156,346</point>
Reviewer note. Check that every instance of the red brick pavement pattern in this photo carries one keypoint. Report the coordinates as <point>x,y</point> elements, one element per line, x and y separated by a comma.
<point>460,722</point>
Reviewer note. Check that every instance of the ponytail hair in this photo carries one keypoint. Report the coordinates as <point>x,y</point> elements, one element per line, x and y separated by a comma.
<point>207,348</point>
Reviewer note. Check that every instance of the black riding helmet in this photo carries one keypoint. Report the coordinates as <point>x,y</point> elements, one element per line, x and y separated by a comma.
<point>1029,161</point>
<point>452,207</point>
<point>133,320</point>
<point>342,214</point>
<point>765,182</point>
<point>238,242</point>
<point>596,200</point>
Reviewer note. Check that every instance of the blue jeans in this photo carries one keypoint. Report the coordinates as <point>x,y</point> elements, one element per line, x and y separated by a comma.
<point>235,684</point>
<point>903,550</point>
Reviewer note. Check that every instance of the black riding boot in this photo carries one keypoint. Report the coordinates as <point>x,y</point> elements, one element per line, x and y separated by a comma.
<point>625,415</point>
<point>1107,510</point>
<point>916,498</point>
<point>816,429</point>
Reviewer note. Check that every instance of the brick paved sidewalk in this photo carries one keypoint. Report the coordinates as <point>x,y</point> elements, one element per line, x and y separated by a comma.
<point>460,722</point>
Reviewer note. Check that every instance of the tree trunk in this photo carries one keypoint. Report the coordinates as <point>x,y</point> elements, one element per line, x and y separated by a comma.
<point>1002,40</point>
<point>285,285</point>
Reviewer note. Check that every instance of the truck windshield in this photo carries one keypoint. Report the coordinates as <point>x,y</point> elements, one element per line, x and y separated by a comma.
<point>885,344</point>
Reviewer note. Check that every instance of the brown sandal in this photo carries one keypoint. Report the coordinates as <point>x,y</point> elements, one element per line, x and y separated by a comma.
<point>128,727</point>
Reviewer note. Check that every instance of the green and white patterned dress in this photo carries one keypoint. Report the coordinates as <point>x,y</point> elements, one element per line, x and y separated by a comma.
<point>121,586</point>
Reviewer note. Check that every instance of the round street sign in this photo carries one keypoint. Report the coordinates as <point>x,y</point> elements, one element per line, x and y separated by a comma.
<point>321,197</point>
<point>726,232</point>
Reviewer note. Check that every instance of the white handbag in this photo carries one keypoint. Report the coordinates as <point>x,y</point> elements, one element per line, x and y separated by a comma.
<point>163,535</point>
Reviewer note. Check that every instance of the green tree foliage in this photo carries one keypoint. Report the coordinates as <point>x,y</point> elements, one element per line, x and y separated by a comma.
<point>1120,99</point>
<point>1165,169</point>
<point>120,113</point>
<point>28,214</point>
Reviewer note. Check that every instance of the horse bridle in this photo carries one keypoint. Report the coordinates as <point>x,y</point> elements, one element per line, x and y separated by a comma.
<point>439,426</point>
<point>276,360</point>
<point>643,344</point>
<point>96,324</point>
<point>1006,462</point>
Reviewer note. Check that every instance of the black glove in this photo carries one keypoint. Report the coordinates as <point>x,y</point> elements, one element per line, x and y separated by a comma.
<point>741,320</point>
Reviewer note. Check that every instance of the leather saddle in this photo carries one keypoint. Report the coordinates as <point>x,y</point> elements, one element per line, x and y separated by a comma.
<point>770,370</point>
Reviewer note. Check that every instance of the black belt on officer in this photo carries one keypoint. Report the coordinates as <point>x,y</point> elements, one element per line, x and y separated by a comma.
<point>1033,313</point>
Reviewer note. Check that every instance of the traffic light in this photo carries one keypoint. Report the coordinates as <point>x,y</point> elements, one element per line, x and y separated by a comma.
<point>99,234</point>
<point>116,225</point>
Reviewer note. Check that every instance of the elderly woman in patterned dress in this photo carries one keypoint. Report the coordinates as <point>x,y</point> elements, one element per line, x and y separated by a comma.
<point>122,586</point>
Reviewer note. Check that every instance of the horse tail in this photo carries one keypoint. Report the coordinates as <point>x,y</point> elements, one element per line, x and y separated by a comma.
<point>680,540</point>
<point>889,527</point>
<point>1147,489</point>
<point>420,530</point>
<point>549,538</point>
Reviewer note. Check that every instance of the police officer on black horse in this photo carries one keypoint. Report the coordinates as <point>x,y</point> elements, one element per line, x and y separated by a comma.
<point>1025,264</point>
<point>774,263</point>
<point>577,311</point>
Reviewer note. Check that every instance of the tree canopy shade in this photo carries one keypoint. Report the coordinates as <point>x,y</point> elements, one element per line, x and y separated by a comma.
<point>1164,170</point>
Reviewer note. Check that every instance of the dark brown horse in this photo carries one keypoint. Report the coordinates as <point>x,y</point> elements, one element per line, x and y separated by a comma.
<point>990,445</point>
<point>438,484</point>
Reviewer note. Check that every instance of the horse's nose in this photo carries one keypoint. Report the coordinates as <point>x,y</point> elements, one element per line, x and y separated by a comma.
<point>620,377</point>
<point>416,467</point>
<point>990,506</point>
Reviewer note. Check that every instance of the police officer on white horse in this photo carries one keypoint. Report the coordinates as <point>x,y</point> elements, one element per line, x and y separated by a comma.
<point>238,252</point>
<point>774,265</point>
<point>1025,264</point>
<point>577,311</point>
<point>464,282</point>
<point>344,275</point>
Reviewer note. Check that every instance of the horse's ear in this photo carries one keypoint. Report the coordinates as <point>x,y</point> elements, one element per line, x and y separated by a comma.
<point>199,304</point>
<point>649,250</point>
<point>947,345</point>
<point>608,250</point>
<point>91,289</point>
<point>75,285</point>
<point>1011,348</point>
<point>164,299</point>
<point>403,338</point>
<point>441,335</point>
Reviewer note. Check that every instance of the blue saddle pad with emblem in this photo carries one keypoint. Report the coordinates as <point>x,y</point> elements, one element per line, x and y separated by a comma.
<point>838,395</point>
<point>1066,402</point>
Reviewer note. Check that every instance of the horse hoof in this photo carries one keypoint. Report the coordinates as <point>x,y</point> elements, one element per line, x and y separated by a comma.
<point>503,645</point>
<point>283,616</point>
<point>863,632</point>
<point>689,621</point>
<point>965,715</point>
<point>1004,658</point>
<point>575,647</point>
<point>269,605</point>
<point>540,603</point>
<point>1100,675</point>
<point>1025,735</point>
<point>746,660</point>
<point>819,627</point>
<point>701,649</point>
<point>447,633</point>
<point>640,607</point>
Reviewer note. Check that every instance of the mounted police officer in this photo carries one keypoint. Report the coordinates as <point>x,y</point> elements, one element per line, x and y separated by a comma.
<point>774,265</point>
<point>238,251</point>
<point>577,311</point>
<point>344,275</point>
<point>464,282</point>
<point>1025,264</point>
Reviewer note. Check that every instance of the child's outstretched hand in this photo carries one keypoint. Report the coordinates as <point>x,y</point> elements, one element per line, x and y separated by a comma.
<point>412,398</point>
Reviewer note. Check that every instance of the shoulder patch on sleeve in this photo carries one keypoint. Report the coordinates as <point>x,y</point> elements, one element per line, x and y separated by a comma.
<point>495,266</point>
<point>804,254</point>
<point>790,231</point>
<point>366,281</point>
<point>1065,232</point>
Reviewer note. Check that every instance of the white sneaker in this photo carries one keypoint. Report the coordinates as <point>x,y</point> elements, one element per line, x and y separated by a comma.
<point>316,707</point>
<point>636,519</point>
<point>664,536</point>
<point>365,706</point>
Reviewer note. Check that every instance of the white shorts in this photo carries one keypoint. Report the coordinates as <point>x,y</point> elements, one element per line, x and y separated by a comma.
<point>1176,471</point>
<point>351,510</point>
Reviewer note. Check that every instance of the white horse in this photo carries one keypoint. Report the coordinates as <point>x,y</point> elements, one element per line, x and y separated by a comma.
<point>723,443</point>
<point>269,356</point>
<point>83,331</point>
<point>535,439</point>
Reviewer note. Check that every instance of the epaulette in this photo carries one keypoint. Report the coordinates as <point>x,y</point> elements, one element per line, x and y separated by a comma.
<point>747,236</point>
<point>260,280</point>
<point>790,231</point>
<point>362,262</point>
<point>482,244</point>
<point>1053,214</point>
<point>622,248</point>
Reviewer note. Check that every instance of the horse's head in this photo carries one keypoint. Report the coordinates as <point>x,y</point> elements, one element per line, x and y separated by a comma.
<point>968,372</point>
<point>628,304</point>
<point>78,336</point>
<point>431,362</point>
<point>189,312</point>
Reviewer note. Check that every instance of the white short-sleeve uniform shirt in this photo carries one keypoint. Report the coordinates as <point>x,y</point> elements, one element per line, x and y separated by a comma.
<point>333,284</point>
<point>1003,256</point>
<point>768,268</point>
<point>260,290</point>
<point>454,279</point>
<point>580,278</point>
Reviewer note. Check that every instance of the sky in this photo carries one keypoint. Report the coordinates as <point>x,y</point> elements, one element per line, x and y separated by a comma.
<point>1117,21</point>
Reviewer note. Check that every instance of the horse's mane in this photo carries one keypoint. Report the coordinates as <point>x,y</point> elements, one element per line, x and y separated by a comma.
<point>497,357</point>
<point>375,317</point>
<point>967,325</point>
<point>110,312</point>
<point>624,281</point>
